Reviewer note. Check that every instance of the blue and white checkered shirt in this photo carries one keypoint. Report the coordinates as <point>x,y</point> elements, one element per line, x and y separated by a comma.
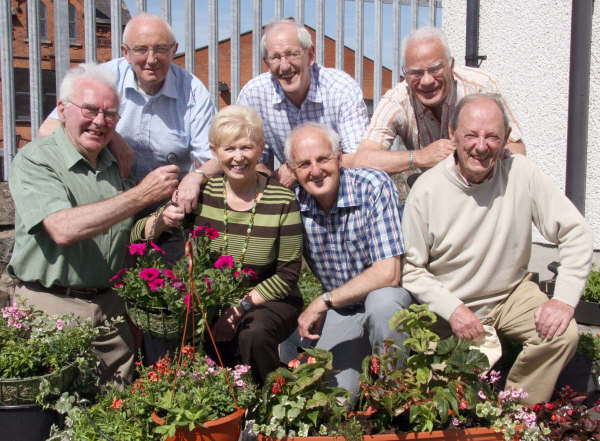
<point>363,227</point>
<point>334,99</point>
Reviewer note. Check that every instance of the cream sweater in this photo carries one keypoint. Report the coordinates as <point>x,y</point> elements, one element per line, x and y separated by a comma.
<point>471,244</point>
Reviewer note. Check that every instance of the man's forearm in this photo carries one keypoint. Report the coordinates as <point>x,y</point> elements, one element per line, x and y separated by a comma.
<point>372,155</point>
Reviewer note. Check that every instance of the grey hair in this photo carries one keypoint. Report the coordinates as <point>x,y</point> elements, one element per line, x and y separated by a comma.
<point>145,16</point>
<point>424,34</point>
<point>303,34</point>
<point>495,97</point>
<point>332,137</point>
<point>86,71</point>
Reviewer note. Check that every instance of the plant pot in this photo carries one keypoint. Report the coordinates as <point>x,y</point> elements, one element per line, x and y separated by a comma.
<point>26,422</point>
<point>158,322</point>
<point>588,313</point>
<point>474,434</point>
<point>14,391</point>
<point>227,428</point>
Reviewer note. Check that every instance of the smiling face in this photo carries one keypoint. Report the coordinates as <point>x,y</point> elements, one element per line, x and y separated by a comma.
<point>288,62</point>
<point>316,166</point>
<point>480,139</point>
<point>150,69</point>
<point>433,79</point>
<point>89,136</point>
<point>239,158</point>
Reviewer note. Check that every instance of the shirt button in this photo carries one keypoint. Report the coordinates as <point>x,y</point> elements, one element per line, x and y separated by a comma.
<point>172,158</point>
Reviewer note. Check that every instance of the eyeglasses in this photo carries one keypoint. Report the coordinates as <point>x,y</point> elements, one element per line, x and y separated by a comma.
<point>289,56</point>
<point>91,112</point>
<point>142,51</point>
<point>434,71</point>
<point>321,160</point>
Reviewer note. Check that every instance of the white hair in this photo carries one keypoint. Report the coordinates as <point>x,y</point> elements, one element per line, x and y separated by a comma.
<point>425,34</point>
<point>86,71</point>
<point>147,17</point>
<point>332,137</point>
<point>303,34</point>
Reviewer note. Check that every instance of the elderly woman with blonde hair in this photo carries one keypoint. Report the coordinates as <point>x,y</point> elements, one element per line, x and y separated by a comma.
<point>259,225</point>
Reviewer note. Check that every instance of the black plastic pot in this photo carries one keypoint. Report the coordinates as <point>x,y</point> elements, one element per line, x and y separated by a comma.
<point>26,422</point>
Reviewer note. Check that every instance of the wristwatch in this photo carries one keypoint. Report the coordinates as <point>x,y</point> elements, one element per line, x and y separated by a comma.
<point>245,305</point>
<point>327,299</point>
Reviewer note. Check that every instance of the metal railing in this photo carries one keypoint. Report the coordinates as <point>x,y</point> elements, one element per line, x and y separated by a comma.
<point>62,54</point>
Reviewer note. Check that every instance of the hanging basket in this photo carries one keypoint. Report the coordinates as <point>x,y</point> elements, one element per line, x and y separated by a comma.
<point>158,322</point>
<point>15,391</point>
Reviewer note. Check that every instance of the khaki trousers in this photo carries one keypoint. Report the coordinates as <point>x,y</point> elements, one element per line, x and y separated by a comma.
<point>539,364</point>
<point>115,350</point>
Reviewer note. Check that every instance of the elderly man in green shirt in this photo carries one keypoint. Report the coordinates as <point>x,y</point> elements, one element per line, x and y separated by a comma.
<point>73,213</point>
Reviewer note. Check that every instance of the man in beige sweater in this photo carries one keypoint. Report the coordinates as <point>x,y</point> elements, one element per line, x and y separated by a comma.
<point>467,231</point>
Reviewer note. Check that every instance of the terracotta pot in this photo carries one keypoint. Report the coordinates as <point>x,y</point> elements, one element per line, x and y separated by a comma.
<point>474,434</point>
<point>227,428</point>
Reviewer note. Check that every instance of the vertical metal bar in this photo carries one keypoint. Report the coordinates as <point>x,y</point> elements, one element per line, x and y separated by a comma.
<point>213,56</point>
<point>432,12</point>
<point>89,12</point>
<point>320,43</point>
<point>190,35</point>
<point>472,48</point>
<point>256,37</point>
<point>278,8</point>
<point>140,6</point>
<point>165,9</point>
<point>116,27</point>
<point>61,39</point>
<point>414,15</point>
<point>339,34</point>
<point>300,11</point>
<point>235,50</point>
<point>8,88</point>
<point>579,93</point>
<point>377,63</point>
<point>358,55</point>
<point>35,69</point>
<point>396,43</point>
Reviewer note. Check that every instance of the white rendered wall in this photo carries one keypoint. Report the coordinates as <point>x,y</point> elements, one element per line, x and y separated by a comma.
<point>527,44</point>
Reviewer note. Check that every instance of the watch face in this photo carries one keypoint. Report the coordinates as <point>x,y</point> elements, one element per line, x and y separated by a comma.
<point>246,306</point>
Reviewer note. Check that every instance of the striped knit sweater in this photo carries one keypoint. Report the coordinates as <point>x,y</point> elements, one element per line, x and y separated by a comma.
<point>275,244</point>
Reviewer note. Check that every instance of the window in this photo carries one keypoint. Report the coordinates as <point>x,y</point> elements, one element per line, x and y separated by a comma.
<point>72,24</point>
<point>43,21</point>
<point>22,109</point>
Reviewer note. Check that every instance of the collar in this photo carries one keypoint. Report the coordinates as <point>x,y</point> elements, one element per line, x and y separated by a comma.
<point>345,197</point>
<point>72,157</point>
<point>313,94</point>
<point>452,168</point>
<point>168,89</point>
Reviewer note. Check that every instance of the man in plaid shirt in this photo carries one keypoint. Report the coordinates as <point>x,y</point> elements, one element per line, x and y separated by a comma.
<point>354,247</point>
<point>297,90</point>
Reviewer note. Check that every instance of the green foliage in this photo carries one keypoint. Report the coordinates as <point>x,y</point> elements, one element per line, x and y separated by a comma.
<point>592,287</point>
<point>299,402</point>
<point>309,285</point>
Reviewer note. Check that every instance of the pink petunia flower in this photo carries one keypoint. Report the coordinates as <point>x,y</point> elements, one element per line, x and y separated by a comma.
<point>196,231</point>
<point>118,275</point>
<point>178,285</point>
<point>156,247</point>
<point>156,284</point>
<point>208,284</point>
<point>59,324</point>
<point>237,275</point>
<point>224,261</point>
<point>169,274</point>
<point>149,273</point>
<point>118,285</point>
<point>250,273</point>
<point>482,395</point>
<point>137,248</point>
<point>212,233</point>
<point>188,301</point>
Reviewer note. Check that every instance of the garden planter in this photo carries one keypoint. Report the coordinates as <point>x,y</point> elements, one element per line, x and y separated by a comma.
<point>227,428</point>
<point>157,322</point>
<point>15,391</point>
<point>586,313</point>
<point>26,422</point>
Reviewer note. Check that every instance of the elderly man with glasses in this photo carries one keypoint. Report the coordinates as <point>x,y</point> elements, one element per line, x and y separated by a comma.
<point>418,109</point>
<point>165,110</point>
<point>297,90</point>
<point>73,214</point>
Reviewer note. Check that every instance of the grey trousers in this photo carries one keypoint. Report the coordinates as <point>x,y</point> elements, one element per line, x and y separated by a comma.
<point>353,333</point>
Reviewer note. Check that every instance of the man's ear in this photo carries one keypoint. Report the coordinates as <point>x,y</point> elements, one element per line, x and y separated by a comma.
<point>124,51</point>
<point>507,135</point>
<point>60,107</point>
<point>450,132</point>
<point>311,55</point>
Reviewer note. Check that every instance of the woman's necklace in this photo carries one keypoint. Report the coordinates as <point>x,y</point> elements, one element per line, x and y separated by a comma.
<point>250,222</point>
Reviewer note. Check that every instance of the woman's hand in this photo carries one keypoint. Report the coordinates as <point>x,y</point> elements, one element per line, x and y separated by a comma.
<point>226,325</point>
<point>173,213</point>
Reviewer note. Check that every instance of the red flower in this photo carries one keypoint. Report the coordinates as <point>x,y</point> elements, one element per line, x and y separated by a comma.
<point>224,261</point>
<point>156,284</point>
<point>212,233</point>
<point>117,403</point>
<point>537,407</point>
<point>276,388</point>
<point>549,406</point>
<point>293,364</point>
<point>137,248</point>
<point>119,285</point>
<point>188,351</point>
<point>250,273</point>
<point>375,365</point>
<point>156,247</point>
<point>149,273</point>
<point>311,360</point>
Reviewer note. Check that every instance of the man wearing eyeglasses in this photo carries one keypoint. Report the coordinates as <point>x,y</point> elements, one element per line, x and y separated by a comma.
<point>297,90</point>
<point>418,109</point>
<point>73,213</point>
<point>165,110</point>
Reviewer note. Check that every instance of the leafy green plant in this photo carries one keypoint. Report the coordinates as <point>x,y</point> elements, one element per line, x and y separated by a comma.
<point>592,287</point>
<point>309,285</point>
<point>299,402</point>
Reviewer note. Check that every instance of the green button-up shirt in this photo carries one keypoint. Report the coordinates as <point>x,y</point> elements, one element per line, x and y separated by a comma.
<point>49,175</point>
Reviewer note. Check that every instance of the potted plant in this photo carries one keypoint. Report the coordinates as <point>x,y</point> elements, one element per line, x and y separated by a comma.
<point>41,357</point>
<point>184,399</point>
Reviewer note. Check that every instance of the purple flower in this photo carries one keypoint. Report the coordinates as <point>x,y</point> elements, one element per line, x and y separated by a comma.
<point>149,274</point>
<point>137,248</point>
<point>178,285</point>
<point>482,395</point>
<point>59,324</point>
<point>210,361</point>
<point>224,261</point>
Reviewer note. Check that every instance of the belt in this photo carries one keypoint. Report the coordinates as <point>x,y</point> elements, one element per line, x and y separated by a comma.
<point>64,291</point>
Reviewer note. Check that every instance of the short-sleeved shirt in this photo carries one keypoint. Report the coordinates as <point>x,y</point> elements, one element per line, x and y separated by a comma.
<point>333,99</point>
<point>363,227</point>
<point>395,115</point>
<point>170,127</point>
<point>49,175</point>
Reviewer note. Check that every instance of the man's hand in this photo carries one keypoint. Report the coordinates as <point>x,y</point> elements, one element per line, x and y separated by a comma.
<point>312,318</point>
<point>122,153</point>
<point>285,176</point>
<point>189,190</point>
<point>224,329</point>
<point>552,318</point>
<point>159,184</point>
<point>435,152</point>
<point>465,324</point>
